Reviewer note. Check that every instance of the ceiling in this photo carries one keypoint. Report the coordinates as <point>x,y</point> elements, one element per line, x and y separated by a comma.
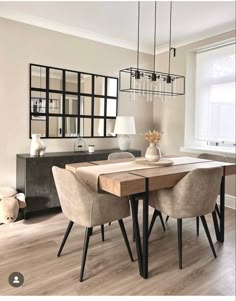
<point>115,22</point>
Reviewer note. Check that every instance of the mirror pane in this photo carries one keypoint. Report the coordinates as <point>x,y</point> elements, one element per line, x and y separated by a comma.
<point>111,107</point>
<point>71,81</point>
<point>55,103</point>
<point>99,85</point>
<point>112,87</point>
<point>38,102</point>
<point>85,127</point>
<point>85,83</point>
<point>110,124</point>
<point>38,126</point>
<point>71,126</point>
<point>55,79</point>
<point>99,106</point>
<point>55,126</point>
<point>71,105</point>
<point>85,105</point>
<point>98,127</point>
<point>38,77</point>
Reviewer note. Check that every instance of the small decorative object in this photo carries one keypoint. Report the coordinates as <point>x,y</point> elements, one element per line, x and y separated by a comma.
<point>37,147</point>
<point>153,152</point>
<point>163,162</point>
<point>91,148</point>
<point>79,145</point>
<point>43,149</point>
<point>10,202</point>
<point>124,126</point>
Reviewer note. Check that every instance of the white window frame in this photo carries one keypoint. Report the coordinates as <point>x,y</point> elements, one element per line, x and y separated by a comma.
<point>190,144</point>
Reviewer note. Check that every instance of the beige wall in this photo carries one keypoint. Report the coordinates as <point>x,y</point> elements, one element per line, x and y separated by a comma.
<point>22,44</point>
<point>170,117</point>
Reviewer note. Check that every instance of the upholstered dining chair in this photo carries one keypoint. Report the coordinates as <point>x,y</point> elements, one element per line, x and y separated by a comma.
<point>83,206</point>
<point>212,157</point>
<point>120,155</point>
<point>138,197</point>
<point>194,195</point>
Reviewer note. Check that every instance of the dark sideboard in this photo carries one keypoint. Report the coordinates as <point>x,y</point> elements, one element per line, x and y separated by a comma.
<point>34,175</point>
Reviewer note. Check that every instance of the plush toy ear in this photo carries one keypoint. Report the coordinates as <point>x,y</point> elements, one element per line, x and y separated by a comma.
<point>21,198</point>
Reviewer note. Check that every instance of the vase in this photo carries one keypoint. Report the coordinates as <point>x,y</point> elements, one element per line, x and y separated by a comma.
<point>37,147</point>
<point>79,145</point>
<point>153,153</point>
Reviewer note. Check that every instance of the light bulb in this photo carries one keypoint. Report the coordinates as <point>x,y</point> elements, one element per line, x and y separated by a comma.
<point>144,85</point>
<point>132,94</point>
<point>162,88</point>
<point>173,88</point>
<point>137,76</point>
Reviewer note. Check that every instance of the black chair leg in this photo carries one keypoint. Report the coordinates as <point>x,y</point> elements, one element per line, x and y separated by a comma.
<point>167,218</point>
<point>179,224</point>
<point>154,216</point>
<point>156,213</point>
<point>204,223</point>
<point>215,221</point>
<point>102,232</point>
<point>86,243</point>
<point>122,227</point>
<point>65,237</point>
<point>109,224</point>
<point>197,225</point>
<point>162,222</point>
<point>217,210</point>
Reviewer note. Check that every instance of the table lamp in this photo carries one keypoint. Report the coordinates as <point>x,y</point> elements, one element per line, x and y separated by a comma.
<point>124,126</point>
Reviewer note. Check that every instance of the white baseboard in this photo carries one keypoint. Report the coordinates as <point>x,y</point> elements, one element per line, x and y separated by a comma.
<point>230,201</point>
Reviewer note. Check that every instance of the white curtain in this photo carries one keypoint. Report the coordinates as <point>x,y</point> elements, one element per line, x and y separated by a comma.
<point>215,94</point>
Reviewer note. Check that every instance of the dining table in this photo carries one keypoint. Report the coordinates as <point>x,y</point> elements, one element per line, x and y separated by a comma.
<point>132,177</point>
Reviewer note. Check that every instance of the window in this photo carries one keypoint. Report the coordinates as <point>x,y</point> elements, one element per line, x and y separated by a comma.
<point>215,96</point>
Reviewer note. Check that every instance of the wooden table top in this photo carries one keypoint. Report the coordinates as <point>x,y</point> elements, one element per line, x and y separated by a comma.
<point>132,182</point>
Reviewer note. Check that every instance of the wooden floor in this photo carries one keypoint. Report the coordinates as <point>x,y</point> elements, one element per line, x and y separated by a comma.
<point>30,247</point>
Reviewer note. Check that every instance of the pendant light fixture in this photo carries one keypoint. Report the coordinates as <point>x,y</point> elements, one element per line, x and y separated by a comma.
<point>151,82</point>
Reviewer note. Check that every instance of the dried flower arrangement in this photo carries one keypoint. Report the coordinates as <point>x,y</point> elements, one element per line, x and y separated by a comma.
<point>153,136</point>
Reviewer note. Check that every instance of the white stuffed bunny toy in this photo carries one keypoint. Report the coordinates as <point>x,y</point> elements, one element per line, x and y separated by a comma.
<point>10,202</point>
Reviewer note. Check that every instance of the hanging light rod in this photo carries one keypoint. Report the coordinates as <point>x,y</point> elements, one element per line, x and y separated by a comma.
<point>146,82</point>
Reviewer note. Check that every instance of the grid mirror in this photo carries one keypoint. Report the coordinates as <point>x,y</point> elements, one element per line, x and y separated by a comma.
<point>65,103</point>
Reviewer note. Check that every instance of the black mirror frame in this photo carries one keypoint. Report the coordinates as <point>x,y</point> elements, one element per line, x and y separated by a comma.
<point>64,92</point>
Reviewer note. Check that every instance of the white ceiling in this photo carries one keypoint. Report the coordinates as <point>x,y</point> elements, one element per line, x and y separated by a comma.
<point>116,22</point>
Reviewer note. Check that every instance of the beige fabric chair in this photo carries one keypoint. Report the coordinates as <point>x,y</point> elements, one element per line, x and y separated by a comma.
<point>85,207</point>
<point>194,195</point>
<point>212,157</point>
<point>120,155</point>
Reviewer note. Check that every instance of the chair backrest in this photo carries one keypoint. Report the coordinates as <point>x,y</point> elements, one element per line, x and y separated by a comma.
<point>120,155</point>
<point>213,157</point>
<point>75,198</point>
<point>196,193</point>
<point>83,205</point>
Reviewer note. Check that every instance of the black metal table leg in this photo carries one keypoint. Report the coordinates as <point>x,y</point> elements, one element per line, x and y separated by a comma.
<point>136,210</point>
<point>215,221</point>
<point>145,230</point>
<point>222,210</point>
<point>137,234</point>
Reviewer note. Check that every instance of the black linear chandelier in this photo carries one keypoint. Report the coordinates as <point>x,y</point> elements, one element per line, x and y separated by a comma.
<point>152,82</point>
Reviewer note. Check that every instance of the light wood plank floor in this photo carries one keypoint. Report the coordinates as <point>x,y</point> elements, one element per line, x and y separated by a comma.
<point>30,247</point>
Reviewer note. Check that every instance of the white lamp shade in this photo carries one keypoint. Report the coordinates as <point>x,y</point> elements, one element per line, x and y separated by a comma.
<point>125,125</point>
